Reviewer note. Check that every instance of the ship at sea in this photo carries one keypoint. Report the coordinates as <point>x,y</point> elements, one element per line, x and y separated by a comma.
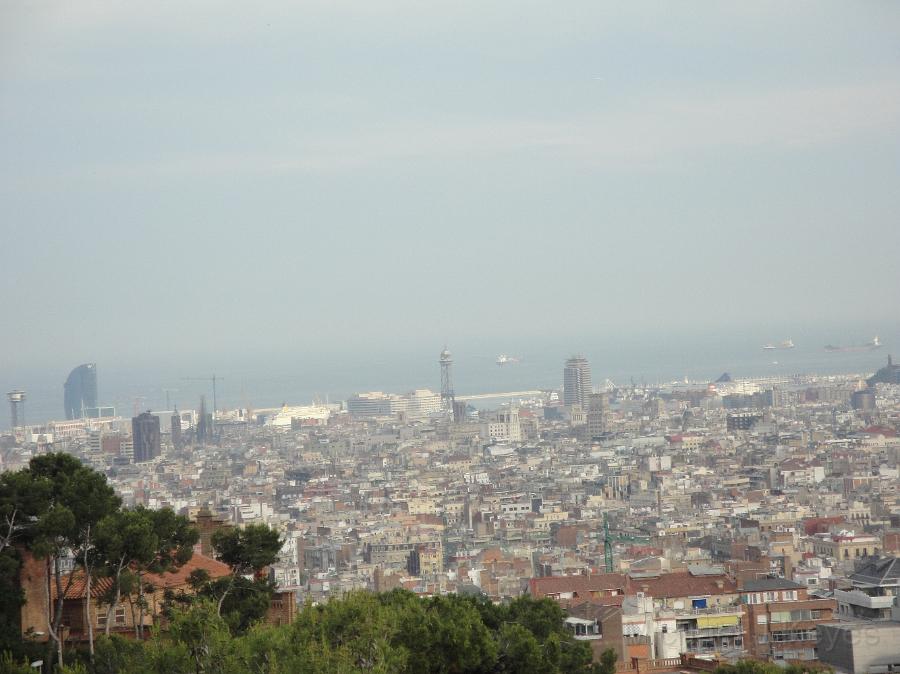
<point>786,344</point>
<point>868,346</point>
<point>503,359</point>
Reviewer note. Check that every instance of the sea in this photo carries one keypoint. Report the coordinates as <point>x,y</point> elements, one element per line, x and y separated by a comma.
<point>261,380</point>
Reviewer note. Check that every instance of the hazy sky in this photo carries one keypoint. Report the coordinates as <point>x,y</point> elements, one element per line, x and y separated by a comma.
<point>234,176</point>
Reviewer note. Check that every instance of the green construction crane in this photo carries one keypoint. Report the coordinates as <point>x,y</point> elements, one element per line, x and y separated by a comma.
<point>607,546</point>
<point>609,539</point>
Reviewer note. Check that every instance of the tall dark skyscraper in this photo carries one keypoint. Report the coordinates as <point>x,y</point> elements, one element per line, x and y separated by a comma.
<point>176,430</point>
<point>145,437</point>
<point>80,390</point>
<point>577,382</point>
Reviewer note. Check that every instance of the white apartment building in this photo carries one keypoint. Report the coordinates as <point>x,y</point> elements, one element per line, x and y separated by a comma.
<point>417,404</point>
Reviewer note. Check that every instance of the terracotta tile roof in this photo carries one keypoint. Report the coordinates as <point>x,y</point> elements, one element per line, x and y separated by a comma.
<point>674,584</point>
<point>683,584</point>
<point>583,586</point>
<point>76,590</point>
<point>214,568</point>
<point>162,581</point>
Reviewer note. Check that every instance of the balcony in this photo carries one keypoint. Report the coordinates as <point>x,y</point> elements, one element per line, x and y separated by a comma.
<point>857,598</point>
<point>709,632</point>
<point>583,629</point>
<point>692,612</point>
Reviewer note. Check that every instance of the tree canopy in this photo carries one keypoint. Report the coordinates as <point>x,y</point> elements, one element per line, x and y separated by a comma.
<point>59,508</point>
<point>396,632</point>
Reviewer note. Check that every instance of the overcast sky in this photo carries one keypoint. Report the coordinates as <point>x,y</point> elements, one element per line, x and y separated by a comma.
<point>237,176</point>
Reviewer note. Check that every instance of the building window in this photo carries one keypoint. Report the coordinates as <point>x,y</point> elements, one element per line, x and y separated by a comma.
<point>794,635</point>
<point>118,618</point>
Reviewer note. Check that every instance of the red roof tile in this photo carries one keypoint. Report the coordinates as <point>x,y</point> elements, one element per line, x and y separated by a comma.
<point>166,580</point>
<point>674,584</point>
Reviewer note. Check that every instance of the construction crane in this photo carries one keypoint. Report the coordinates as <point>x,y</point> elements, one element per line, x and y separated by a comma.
<point>607,546</point>
<point>609,539</point>
<point>212,379</point>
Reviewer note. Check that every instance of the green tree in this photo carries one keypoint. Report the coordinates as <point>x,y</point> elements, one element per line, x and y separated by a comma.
<point>391,633</point>
<point>52,541</point>
<point>90,499</point>
<point>78,498</point>
<point>23,497</point>
<point>176,538</point>
<point>243,601</point>
<point>607,664</point>
<point>246,551</point>
<point>541,617</point>
<point>173,538</point>
<point>9,665</point>
<point>358,632</point>
<point>443,634</point>
<point>116,655</point>
<point>203,635</point>
<point>11,600</point>
<point>22,500</point>
<point>520,652</point>
<point>124,538</point>
<point>249,549</point>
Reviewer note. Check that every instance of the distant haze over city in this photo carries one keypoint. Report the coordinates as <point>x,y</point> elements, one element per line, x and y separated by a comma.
<point>201,182</point>
<point>258,379</point>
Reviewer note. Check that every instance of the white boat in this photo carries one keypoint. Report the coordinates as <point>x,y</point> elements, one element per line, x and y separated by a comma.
<point>786,344</point>
<point>503,359</point>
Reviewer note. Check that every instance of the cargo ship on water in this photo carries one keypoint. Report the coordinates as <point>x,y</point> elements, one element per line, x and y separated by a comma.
<point>868,346</point>
<point>786,344</point>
